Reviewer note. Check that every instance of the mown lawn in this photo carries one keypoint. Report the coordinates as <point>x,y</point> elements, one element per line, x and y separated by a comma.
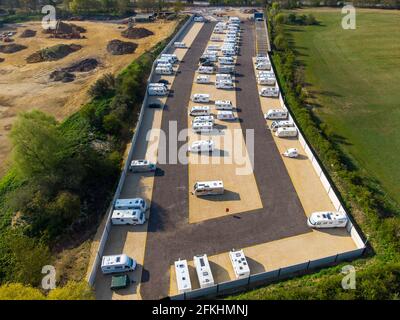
<point>353,77</point>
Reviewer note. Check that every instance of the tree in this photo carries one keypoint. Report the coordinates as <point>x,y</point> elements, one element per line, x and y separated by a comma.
<point>280,42</point>
<point>72,291</point>
<point>178,6</point>
<point>18,291</point>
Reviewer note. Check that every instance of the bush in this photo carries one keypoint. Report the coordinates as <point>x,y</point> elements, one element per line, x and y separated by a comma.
<point>103,87</point>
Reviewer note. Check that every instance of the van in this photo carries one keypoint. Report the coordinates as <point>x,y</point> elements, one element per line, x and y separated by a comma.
<point>223,84</point>
<point>205,188</point>
<point>200,111</point>
<point>223,76</point>
<point>201,146</point>
<point>131,203</point>
<point>203,79</point>
<point>263,66</point>
<point>128,217</point>
<point>281,123</point>
<point>209,118</point>
<point>170,56</point>
<point>179,45</point>
<point>226,60</point>
<point>276,114</point>
<point>117,263</point>
<point>283,132</point>
<point>166,71</point>
<point>202,127</point>
<point>157,91</point>
<point>223,105</point>
<point>205,70</point>
<point>327,219</point>
<point>142,166</point>
<point>201,97</point>
<point>269,92</point>
<point>225,115</point>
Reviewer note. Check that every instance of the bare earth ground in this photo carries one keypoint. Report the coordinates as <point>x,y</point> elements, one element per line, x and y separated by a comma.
<point>25,86</point>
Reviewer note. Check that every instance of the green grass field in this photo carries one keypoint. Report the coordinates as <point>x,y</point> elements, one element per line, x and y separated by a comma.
<point>354,79</point>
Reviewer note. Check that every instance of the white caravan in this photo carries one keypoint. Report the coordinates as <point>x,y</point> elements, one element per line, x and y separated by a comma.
<point>130,203</point>
<point>276,114</point>
<point>157,91</point>
<point>261,59</point>
<point>226,60</point>
<point>223,76</point>
<point>205,70</point>
<point>200,111</point>
<point>201,146</point>
<point>203,271</point>
<point>228,52</point>
<point>201,97</point>
<point>182,276</point>
<point>202,127</point>
<point>213,47</point>
<point>327,219</point>
<point>269,92</point>
<point>128,217</point>
<point>162,70</point>
<point>117,263</point>
<point>209,118</point>
<point>224,85</point>
<point>226,69</point>
<point>206,188</point>
<point>165,64</point>
<point>291,153</point>
<point>142,166</point>
<point>281,123</point>
<point>286,132</point>
<point>216,39</point>
<point>263,66</point>
<point>210,57</point>
<point>223,105</point>
<point>225,115</point>
<point>239,264</point>
<point>203,79</point>
<point>171,56</point>
<point>179,45</point>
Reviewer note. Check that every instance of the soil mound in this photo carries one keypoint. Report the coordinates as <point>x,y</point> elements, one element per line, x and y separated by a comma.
<point>1,59</point>
<point>56,52</point>
<point>66,30</point>
<point>11,48</point>
<point>82,66</point>
<point>136,33</point>
<point>28,33</point>
<point>118,47</point>
<point>63,76</point>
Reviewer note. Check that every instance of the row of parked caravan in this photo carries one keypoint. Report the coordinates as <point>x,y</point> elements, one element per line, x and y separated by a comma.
<point>165,64</point>
<point>204,273</point>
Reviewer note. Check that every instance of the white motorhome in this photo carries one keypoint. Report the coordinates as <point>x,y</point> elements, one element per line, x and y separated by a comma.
<point>286,132</point>
<point>327,219</point>
<point>157,91</point>
<point>171,56</point>
<point>226,60</point>
<point>164,64</point>
<point>276,114</point>
<point>239,264</point>
<point>203,271</point>
<point>281,123</point>
<point>164,61</point>
<point>228,52</point>
<point>179,45</point>
<point>209,118</point>
<point>291,153</point>
<point>223,76</point>
<point>201,97</point>
<point>128,217</point>
<point>117,263</point>
<point>201,146</point>
<point>223,105</point>
<point>210,57</point>
<point>263,66</point>
<point>269,92</point>
<point>224,85</point>
<point>214,47</point>
<point>182,276</point>
<point>268,81</point>
<point>162,70</point>
<point>262,59</point>
<point>202,127</point>
<point>225,115</point>
<point>216,39</point>
<point>200,111</point>
<point>226,69</point>
<point>206,188</point>
<point>142,166</point>
<point>205,70</point>
<point>203,79</point>
<point>130,203</point>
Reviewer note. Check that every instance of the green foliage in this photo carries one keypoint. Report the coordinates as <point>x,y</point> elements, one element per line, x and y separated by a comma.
<point>104,87</point>
<point>18,291</point>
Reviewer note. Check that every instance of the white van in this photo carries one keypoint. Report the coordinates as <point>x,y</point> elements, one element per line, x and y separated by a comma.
<point>286,132</point>
<point>179,45</point>
<point>209,118</point>
<point>201,97</point>
<point>130,203</point>
<point>226,60</point>
<point>128,217</point>
<point>117,263</point>
<point>276,114</point>
<point>225,115</point>
<point>162,70</point>
<point>269,92</point>
<point>281,123</point>
<point>157,91</point>
<point>205,70</point>
<point>223,105</point>
<point>327,219</point>
<point>203,79</point>
<point>202,127</point>
<point>200,111</point>
<point>142,166</point>
<point>202,146</point>
<point>205,188</point>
